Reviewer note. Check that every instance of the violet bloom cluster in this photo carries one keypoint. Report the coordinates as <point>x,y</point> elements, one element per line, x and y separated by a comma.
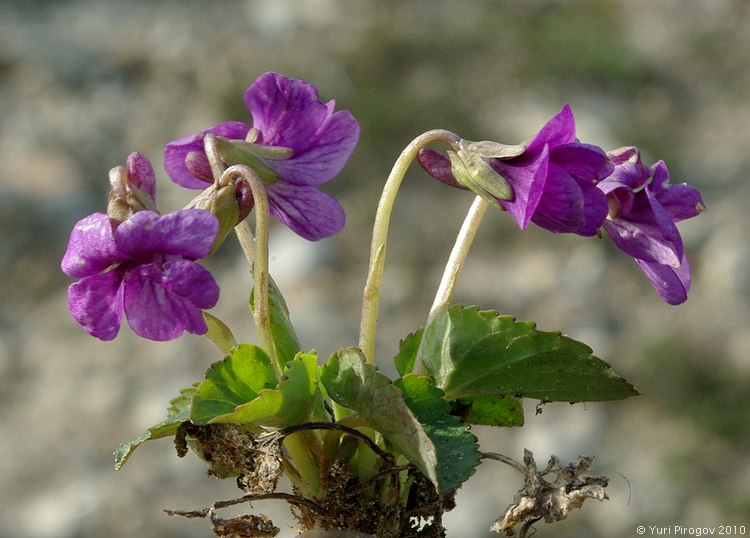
<point>143,267</point>
<point>311,144</point>
<point>565,186</point>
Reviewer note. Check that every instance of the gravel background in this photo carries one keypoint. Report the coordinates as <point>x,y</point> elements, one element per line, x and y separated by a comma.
<point>84,83</point>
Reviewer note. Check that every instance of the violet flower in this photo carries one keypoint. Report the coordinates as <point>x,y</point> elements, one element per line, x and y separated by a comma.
<point>553,180</point>
<point>296,143</point>
<point>644,208</point>
<point>143,268</point>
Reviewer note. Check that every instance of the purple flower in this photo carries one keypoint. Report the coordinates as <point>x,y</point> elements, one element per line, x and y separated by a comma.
<point>313,144</point>
<point>143,268</point>
<point>553,180</point>
<point>643,210</point>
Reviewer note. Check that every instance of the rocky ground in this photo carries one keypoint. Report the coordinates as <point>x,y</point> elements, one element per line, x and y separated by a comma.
<point>83,83</point>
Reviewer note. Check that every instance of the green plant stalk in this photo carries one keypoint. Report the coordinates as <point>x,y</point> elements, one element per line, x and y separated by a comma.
<point>302,447</point>
<point>458,255</point>
<point>256,253</point>
<point>371,294</point>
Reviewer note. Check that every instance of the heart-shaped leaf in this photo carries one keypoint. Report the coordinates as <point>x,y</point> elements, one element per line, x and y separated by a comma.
<point>475,353</point>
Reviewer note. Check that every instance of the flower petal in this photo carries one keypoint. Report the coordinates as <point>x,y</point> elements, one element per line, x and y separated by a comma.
<point>560,129</point>
<point>671,283</point>
<point>647,232</point>
<point>91,248</point>
<point>570,205</point>
<point>306,210</point>
<point>288,113</point>
<point>527,176</point>
<point>163,301</point>
<point>185,232</point>
<point>583,161</point>
<point>176,151</point>
<point>681,201</point>
<point>96,303</point>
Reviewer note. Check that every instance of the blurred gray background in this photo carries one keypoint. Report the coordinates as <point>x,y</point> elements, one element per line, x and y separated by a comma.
<point>83,83</point>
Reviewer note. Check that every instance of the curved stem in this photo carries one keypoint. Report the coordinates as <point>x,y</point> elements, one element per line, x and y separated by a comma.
<point>453,268</point>
<point>371,294</point>
<point>256,253</point>
<point>457,257</point>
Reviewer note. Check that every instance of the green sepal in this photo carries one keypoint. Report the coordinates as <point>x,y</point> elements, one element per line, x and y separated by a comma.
<point>252,155</point>
<point>353,383</point>
<point>233,381</point>
<point>285,342</point>
<point>475,353</point>
<point>456,447</point>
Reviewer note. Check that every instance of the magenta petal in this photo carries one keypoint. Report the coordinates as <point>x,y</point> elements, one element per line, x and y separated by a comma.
<point>583,161</point>
<point>680,201</point>
<point>527,176</point>
<point>647,233</point>
<point>306,210</point>
<point>333,145</point>
<point>595,209</point>
<point>176,151</point>
<point>96,303</point>
<point>561,206</point>
<point>162,302</point>
<point>91,248</point>
<point>141,175</point>
<point>288,113</point>
<point>185,232</point>
<point>671,283</point>
<point>560,129</point>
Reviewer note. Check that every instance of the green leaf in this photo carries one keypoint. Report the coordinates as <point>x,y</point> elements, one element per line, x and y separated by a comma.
<point>178,412</point>
<point>407,353</point>
<point>502,411</point>
<point>472,353</point>
<point>353,383</point>
<point>233,381</point>
<point>164,428</point>
<point>289,404</point>
<point>456,447</point>
<point>285,341</point>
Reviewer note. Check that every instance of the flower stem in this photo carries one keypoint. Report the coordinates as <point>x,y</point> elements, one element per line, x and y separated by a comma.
<point>457,257</point>
<point>371,294</point>
<point>256,253</point>
<point>455,263</point>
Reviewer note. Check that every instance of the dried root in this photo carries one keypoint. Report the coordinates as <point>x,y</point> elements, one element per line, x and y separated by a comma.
<point>548,500</point>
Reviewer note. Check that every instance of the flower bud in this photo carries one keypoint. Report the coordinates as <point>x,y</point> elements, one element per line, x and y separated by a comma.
<point>198,165</point>
<point>230,203</point>
<point>471,168</point>
<point>133,188</point>
<point>473,172</point>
